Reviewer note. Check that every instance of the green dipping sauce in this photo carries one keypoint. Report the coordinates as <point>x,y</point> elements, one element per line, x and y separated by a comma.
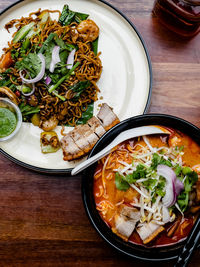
<point>8,122</point>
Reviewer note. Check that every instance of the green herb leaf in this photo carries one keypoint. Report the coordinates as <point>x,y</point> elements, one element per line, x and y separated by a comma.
<point>68,16</point>
<point>190,179</point>
<point>27,109</point>
<point>88,114</point>
<point>140,172</point>
<point>157,159</point>
<point>31,63</point>
<point>79,87</point>
<point>120,183</point>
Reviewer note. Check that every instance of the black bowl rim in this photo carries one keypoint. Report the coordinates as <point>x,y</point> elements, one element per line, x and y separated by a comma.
<point>68,171</point>
<point>94,218</point>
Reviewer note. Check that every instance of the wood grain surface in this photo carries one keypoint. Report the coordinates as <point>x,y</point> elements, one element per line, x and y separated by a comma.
<point>42,218</point>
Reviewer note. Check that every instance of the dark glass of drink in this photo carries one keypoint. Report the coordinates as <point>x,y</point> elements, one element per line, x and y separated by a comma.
<point>180,16</point>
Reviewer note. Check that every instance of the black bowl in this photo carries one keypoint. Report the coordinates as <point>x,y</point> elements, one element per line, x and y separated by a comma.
<point>136,251</point>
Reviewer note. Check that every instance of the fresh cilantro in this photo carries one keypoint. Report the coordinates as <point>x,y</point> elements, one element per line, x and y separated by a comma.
<point>178,170</point>
<point>129,179</point>
<point>157,160</point>
<point>160,189</point>
<point>140,172</point>
<point>150,183</point>
<point>31,63</point>
<point>120,183</point>
<point>190,178</point>
<point>182,200</point>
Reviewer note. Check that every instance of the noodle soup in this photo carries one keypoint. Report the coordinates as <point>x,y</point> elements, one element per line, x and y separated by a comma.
<point>147,189</point>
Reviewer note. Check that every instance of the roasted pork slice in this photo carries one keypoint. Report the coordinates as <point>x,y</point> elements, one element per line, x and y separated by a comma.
<point>125,222</point>
<point>70,149</point>
<point>84,137</point>
<point>149,231</point>
<point>107,117</point>
<point>96,126</point>
<point>79,138</point>
<point>130,213</point>
<point>82,132</point>
<point>91,137</point>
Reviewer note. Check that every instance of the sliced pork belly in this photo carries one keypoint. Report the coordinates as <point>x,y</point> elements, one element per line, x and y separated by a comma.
<point>70,149</point>
<point>96,126</point>
<point>149,231</point>
<point>78,135</point>
<point>84,137</point>
<point>107,117</point>
<point>125,222</point>
<point>91,137</point>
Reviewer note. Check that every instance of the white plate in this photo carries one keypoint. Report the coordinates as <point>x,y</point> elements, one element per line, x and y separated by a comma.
<point>125,82</point>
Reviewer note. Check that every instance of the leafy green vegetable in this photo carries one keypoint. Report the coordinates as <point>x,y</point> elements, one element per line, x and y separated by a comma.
<point>63,45</point>
<point>31,63</point>
<point>27,109</point>
<point>79,87</point>
<point>187,170</point>
<point>150,183</point>
<point>120,183</point>
<point>5,79</point>
<point>47,42</point>
<point>23,32</point>
<point>140,172</point>
<point>160,188</point>
<point>88,114</point>
<point>80,16</point>
<point>68,16</point>
<point>55,86</point>
<point>189,177</point>
<point>157,159</point>
<point>95,46</point>
<point>47,48</point>
<point>178,170</point>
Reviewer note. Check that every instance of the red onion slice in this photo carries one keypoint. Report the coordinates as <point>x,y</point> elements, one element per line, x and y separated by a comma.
<point>70,59</point>
<point>55,58</point>
<point>48,80</point>
<point>179,186</point>
<point>40,74</point>
<point>170,197</point>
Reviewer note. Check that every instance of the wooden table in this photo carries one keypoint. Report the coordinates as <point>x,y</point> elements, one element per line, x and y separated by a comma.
<point>42,219</point>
